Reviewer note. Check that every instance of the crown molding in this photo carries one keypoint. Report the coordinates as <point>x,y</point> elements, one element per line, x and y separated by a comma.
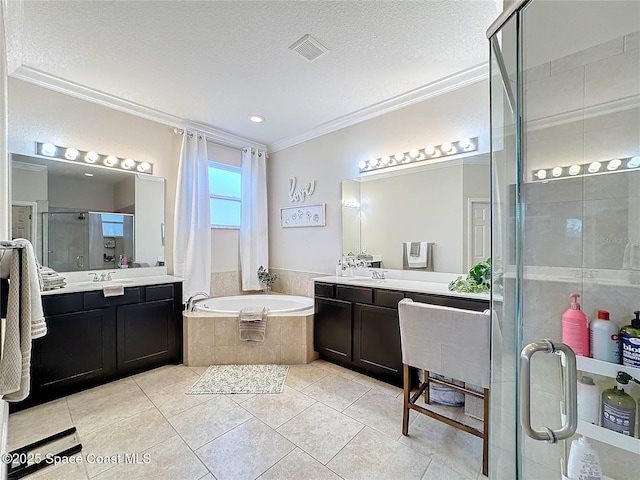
<point>434,89</point>
<point>57,84</point>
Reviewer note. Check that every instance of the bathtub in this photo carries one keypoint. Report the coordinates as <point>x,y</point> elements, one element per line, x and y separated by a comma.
<point>211,334</point>
<point>278,305</point>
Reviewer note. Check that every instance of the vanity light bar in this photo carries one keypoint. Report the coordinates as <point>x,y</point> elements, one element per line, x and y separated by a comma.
<point>592,168</point>
<point>414,155</point>
<point>92,158</point>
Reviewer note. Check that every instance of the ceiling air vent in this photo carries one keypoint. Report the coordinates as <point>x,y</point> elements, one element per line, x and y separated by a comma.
<point>309,48</point>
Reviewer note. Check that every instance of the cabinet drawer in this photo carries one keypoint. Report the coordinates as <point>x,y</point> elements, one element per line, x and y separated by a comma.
<point>97,299</point>
<point>387,298</point>
<point>455,302</point>
<point>354,294</point>
<point>158,292</point>
<point>324,290</point>
<point>64,303</point>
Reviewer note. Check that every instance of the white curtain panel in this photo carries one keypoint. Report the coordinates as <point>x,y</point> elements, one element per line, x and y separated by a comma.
<point>254,232</point>
<point>192,225</point>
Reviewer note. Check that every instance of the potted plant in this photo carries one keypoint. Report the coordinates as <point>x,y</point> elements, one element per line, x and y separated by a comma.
<point>266,279</point>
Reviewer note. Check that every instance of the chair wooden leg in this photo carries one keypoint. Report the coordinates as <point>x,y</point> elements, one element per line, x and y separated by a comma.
<point>427,391</point>
<point>407,393</point>
<point>485,436</point>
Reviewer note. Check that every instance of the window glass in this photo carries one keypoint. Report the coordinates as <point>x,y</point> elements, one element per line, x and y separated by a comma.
<point>225,185</point>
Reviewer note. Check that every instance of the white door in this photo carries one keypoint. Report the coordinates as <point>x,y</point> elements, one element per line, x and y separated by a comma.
<point>480,232</point>
<point>21,222</point>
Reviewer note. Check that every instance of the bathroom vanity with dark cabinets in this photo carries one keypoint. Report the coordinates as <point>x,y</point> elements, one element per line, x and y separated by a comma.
<point>93,339</point>
<point>357,327</point>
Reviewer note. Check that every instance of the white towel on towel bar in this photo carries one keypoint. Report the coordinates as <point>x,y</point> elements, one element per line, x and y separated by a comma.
<point>25,321</point>
<point>418,254</point>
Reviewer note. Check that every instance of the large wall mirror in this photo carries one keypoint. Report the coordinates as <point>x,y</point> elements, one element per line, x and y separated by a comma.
<point>82,217</point>
<point>446,203</point>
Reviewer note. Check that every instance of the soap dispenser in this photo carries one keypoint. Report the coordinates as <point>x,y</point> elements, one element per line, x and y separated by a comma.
<point>575,328</point>
<point>630,339</point>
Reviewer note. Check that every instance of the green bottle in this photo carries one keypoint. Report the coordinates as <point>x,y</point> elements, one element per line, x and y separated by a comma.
<point>618,408</point>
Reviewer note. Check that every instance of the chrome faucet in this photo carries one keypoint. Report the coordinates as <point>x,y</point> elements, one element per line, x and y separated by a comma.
<point>191,306</point>
<point>104,276</point>
<point>378,274</point>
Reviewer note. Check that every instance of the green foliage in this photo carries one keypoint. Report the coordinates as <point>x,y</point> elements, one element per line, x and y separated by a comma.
<point>265,277</point>
<point>478,279</point>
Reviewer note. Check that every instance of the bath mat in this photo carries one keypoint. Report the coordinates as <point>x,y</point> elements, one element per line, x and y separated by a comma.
<point>241,379</point>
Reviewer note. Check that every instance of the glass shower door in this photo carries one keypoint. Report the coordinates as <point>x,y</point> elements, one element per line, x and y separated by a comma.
<point>65,241</point>
<point>565,123</point>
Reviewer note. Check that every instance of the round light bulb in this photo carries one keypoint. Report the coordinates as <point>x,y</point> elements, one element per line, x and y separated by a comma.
<point>430,150</point>
<point>110,161</point>
<point>71,153</point>
<point>446,147</point>
<point>91,157</point>
<point>386,159</point>
<point>594,167</point>
<point>574,169</point>
<point>48,149</point>
<point>128,163</point>
<point>557,171</point>
<point>634,162</point>
<point>413,153</point>
<point>465,143</point>
<point>541,174</point>
<point>399,156</point>
<point>614,164</point>
<point>373,162</point>
<point>144,167</point>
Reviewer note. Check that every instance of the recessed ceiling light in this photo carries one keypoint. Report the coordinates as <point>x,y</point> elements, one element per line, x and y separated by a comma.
<point>88,174</point>
<point>256,118</point>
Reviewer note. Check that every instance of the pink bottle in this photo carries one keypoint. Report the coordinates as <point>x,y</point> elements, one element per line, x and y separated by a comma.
<point>575,328</point>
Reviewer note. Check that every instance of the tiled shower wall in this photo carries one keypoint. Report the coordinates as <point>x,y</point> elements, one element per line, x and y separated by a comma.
<point>578,232</point>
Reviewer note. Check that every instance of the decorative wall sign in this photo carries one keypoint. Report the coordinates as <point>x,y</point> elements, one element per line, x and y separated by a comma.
<point>301,193</point>
<point>303,216</point>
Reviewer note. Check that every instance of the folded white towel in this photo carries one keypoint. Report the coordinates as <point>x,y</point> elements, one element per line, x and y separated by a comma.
<point>252,323</point>
<point>113,290</point>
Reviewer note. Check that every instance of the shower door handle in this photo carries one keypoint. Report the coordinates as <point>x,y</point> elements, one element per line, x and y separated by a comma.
<point>570,387</point>
<point>80,261</point>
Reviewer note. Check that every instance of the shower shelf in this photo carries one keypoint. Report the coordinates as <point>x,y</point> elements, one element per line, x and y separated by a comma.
<point>610,437</point>
<point>607,369</point>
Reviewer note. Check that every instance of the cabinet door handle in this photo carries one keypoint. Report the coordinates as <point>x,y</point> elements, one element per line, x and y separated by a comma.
<point>570,387</point>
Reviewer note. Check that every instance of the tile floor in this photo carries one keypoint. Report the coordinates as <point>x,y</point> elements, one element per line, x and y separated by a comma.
<point>329,423</point>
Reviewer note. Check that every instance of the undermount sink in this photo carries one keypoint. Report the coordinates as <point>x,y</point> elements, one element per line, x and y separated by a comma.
<point>99,284</point>
<point>363,280</point>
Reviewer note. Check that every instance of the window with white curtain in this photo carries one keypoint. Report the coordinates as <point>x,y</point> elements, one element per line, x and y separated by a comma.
<point>225,185</point>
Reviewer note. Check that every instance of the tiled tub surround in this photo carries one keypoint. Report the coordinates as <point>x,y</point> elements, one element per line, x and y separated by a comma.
<point>214,339</point>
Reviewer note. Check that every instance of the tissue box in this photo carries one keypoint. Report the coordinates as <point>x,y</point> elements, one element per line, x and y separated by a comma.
<point>474,406</point>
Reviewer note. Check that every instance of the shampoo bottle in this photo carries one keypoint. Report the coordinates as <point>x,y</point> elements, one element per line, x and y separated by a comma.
<point>575,328</point>
<point>588,400</point>
<point>630,339</point>
<point>339,269</point>
<point>584,462</point>
<point>618,408</point>
<point>603,338</point>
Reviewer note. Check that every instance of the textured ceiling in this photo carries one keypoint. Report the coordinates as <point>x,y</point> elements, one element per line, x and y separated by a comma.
<point>216,62</point>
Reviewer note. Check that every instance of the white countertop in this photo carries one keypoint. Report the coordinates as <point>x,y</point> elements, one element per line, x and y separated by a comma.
<point>81,281</point>
<point>437,288</point>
